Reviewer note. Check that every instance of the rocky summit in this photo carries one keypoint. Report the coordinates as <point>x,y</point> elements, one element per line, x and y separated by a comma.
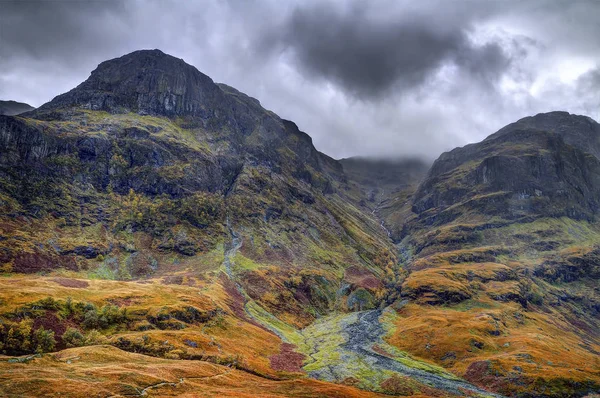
<point>162,234</point>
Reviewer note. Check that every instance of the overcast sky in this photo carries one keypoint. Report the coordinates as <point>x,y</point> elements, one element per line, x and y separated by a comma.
<point>371,78</point>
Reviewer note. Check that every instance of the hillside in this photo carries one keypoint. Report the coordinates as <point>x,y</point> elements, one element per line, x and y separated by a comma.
<point>164,234</point>
<point>11,108</point>
<point>502,242</point>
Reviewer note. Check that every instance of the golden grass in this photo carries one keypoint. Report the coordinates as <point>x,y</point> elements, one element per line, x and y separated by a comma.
<point>543,346</point>
<point>231,337</point>
<point>108,371</point>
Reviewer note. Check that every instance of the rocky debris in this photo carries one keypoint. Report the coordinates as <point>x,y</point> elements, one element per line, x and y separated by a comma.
<point>24,359</point>
<point>367,331</point>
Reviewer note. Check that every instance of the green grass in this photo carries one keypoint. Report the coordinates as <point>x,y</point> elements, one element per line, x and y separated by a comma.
<point>241,263</point>
<point>287,332</point>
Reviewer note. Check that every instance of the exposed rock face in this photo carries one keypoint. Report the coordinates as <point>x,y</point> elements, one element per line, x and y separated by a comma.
<point>580,131</point>
<point>147,82</point>
<point>36,154</point>
<point>11,108</point>
<point>236,128</point>
<point>527,169</point>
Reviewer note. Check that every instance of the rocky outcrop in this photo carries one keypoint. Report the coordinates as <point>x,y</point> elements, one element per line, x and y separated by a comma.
<point>521,171</point>
<point>137,155</point>
<point>149,82</point>
<point>146,82</point>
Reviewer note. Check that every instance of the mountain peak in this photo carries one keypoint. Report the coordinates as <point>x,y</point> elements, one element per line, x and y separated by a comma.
<point>580,131</point>
<point>145,82</point>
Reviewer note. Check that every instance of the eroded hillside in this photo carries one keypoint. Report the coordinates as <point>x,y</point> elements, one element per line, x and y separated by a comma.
<point>161,234</point>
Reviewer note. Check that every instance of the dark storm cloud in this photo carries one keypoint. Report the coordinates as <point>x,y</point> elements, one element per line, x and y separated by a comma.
<point>368,55</point>
<point>51,30</point>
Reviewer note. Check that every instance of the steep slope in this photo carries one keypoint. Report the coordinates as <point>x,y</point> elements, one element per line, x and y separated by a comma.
<point>149,146</point>
<point>499,260</point>
<point>175,217</point>
<point>11,108</point>
<point>154,211</point>
<point>385,188</point>
<point>524,170</point>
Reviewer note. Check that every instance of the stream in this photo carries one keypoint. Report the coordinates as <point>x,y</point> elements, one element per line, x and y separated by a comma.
<point>367,330</point>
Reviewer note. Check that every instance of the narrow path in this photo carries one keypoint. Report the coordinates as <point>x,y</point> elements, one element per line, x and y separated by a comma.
<point>182,380</point>
<point>144,392</point>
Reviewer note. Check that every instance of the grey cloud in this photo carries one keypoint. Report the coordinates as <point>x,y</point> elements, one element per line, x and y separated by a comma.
<point>369,56</point>
<point>51,30</point>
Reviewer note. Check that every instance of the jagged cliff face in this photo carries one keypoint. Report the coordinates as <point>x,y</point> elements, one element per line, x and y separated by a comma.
<point>168,163</point>
<point>150,82</point>
<point>543,166</point>
<point>184,118</point>
<point>147,82</point>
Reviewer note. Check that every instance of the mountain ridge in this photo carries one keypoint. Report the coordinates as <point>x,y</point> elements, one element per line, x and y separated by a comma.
<point>12,108</point>
<point>162,214</point>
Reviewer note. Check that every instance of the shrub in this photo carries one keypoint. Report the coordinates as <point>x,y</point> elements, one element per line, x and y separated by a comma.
<point>16,337</point>
<point>111,315</point>
<point>73,338</point>
<point>90,319</point>
<point>94,337</point>
<point>44,340</point>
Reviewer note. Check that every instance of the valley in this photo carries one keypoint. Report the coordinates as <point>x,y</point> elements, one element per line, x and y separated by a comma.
<point>165,235</point>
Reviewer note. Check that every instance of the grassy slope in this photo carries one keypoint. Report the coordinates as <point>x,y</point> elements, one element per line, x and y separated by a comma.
<point>108,371</point>
<point>469,311</point>
<point>156,257</point>
<point>495,305</point>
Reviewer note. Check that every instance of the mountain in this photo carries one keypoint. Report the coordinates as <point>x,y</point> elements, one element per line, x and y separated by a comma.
<point>150,146</point>
<point>154,220</point>
<point>502,243</point>
<point>527,169</point>
<point>11,108</point>
<point>150,172</point>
